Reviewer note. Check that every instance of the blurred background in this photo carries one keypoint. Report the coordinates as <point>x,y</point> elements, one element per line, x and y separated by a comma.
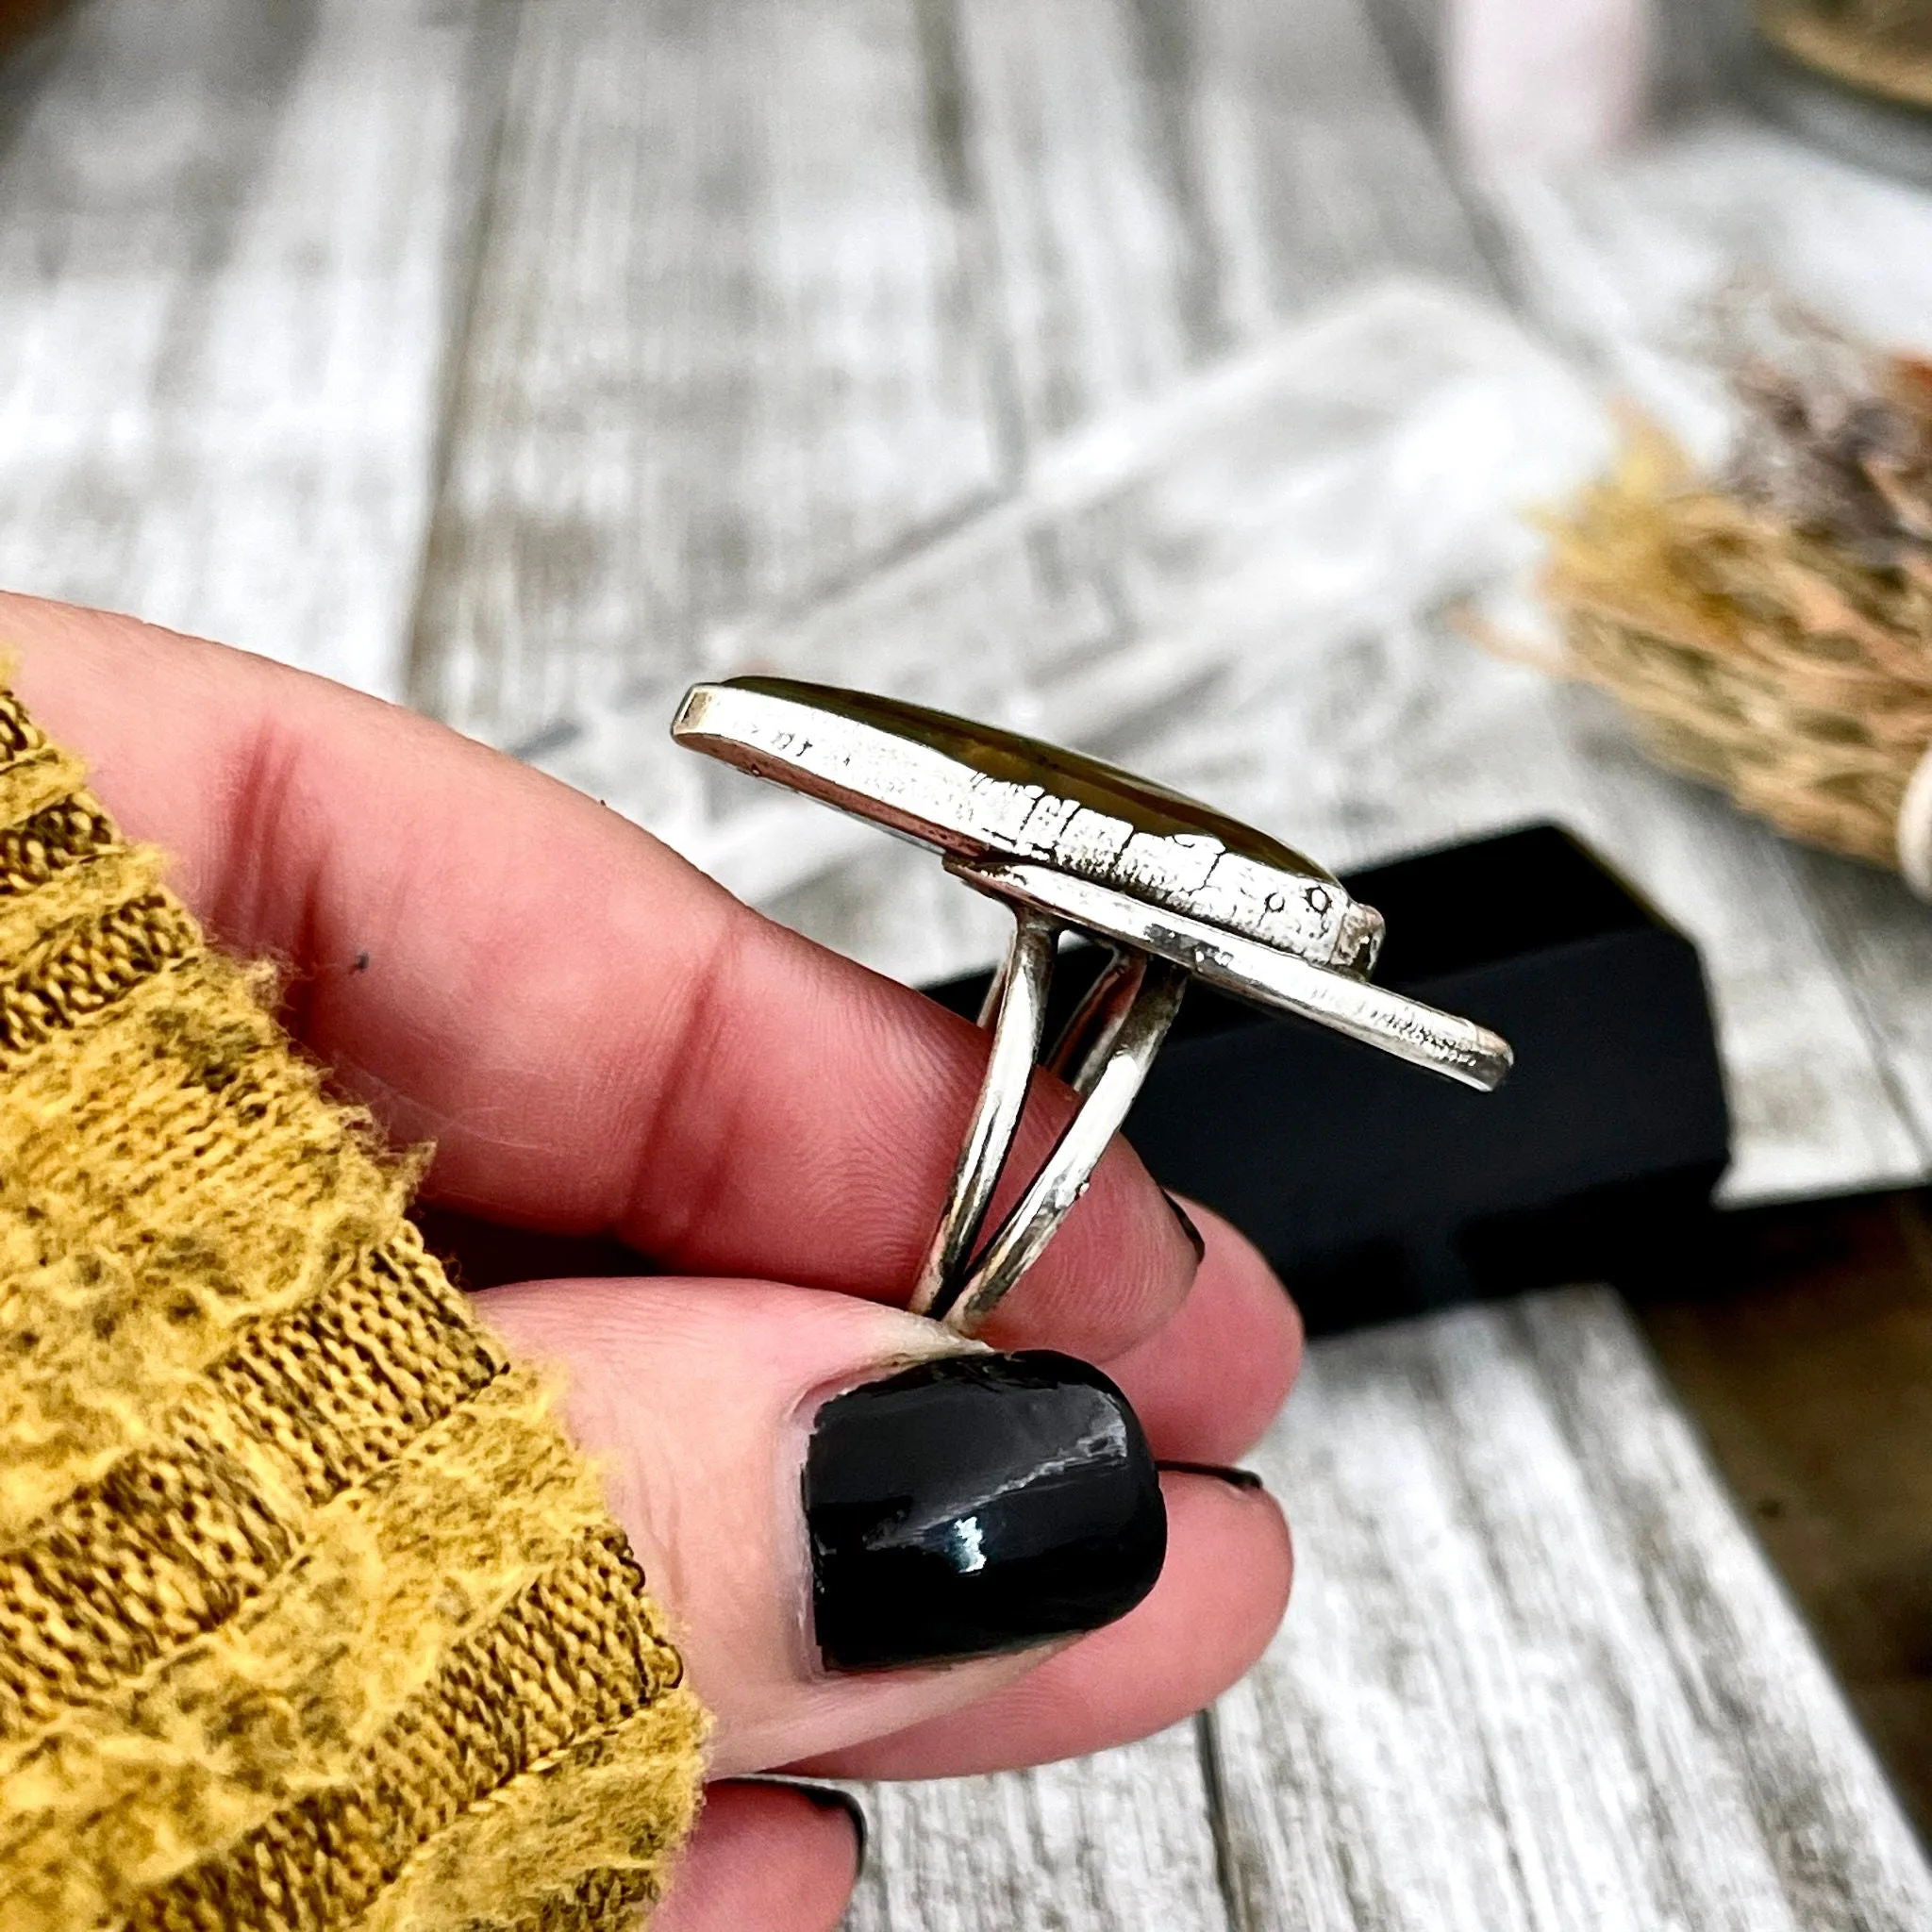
<point>1179,379</point>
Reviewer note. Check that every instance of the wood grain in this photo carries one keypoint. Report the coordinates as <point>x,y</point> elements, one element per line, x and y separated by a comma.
<point>226,236</point>
<point>1106,273</point>
<point>1806,1361</point>
<point>1124,1840</point>
<point>718,351</point>
<point>1537,1674</point>
<point>1165,182</point>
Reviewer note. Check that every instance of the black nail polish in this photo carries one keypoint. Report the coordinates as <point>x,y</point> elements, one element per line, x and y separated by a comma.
<point>977,1504</point>
<point>830,1798</point>
<point>1195,1239</point>
<point>1221,1472</point>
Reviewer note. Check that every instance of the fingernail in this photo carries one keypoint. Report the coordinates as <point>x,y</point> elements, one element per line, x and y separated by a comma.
<point>1234,1478</point>
<point>830,1798</point>
<point>1195,1240</point>
<point>973,1504</point>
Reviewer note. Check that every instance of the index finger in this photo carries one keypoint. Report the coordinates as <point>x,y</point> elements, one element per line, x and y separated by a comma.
<point>598,1039</point>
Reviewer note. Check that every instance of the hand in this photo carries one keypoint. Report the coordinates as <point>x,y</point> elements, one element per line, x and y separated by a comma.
<point>615,1059</point>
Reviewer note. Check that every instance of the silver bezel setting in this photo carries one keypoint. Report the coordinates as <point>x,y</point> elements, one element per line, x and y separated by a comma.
<point>1174,890</point>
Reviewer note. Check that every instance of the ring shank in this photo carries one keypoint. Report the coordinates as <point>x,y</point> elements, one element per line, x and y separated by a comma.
<point>1018,1003</point>
<point>1104,1054</point>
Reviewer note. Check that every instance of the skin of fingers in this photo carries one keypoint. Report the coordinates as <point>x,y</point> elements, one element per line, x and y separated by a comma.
<point>697,1397</point>
<point>1228,1569</point>
<point>1208,1385</point>
<point>762,1859</point>
<point>1205,1385</point>
<point>599,1040</point>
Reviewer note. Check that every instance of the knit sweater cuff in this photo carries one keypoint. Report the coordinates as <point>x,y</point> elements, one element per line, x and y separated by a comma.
<point>311,1617</point>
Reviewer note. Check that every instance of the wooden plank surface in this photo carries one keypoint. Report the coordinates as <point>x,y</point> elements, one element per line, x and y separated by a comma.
<point>1807,1363</point>
<point>1537,1674</point>
<point>1106,284</point>
<point>1124,1841</point>
<point>228,235</point>
<point>1164,183</point>
<point>719,349</point>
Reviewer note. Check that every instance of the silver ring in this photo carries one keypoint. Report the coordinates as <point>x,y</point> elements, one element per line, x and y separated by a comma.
<point>1174,889</point>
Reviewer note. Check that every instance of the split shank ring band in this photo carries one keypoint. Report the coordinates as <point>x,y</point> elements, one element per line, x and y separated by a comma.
<point>1174,889</point>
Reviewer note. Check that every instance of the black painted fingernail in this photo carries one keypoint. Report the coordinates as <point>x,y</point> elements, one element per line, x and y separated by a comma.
<point>830,1798</point>
<point>1195,1240</point>
<point>973,1504</point>
<point>1234,1478</point>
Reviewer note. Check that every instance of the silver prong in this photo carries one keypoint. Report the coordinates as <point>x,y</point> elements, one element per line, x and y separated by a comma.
<point>1069,1168</point>
<point>1016,1003</point>
<point>1081,1052</point>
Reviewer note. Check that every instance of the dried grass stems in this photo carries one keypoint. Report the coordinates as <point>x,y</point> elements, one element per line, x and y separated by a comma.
<point>1770,628</point>
<point>1881,47</point>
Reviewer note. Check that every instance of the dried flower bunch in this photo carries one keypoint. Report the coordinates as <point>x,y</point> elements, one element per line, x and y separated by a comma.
<point>1883,47</point>
<point>1771,628</point>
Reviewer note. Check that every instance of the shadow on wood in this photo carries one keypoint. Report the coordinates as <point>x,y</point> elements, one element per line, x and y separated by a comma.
<point>1808,1365</point>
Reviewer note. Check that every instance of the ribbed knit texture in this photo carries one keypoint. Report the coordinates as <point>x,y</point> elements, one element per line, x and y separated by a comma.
<point>311,1617</point>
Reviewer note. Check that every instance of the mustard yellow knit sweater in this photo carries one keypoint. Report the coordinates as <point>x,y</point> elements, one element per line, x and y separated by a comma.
<point>309,1615</point>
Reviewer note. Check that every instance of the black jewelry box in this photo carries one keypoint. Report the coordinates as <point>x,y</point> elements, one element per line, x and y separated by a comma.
<point>1379,1191</point>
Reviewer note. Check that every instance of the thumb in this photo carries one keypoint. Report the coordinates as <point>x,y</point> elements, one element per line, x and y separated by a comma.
<point>832,1498</point>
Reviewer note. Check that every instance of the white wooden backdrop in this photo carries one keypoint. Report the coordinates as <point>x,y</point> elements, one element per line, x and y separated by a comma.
<point>1145,374</point>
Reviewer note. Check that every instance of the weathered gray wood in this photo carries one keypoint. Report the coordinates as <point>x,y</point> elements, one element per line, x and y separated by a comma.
<point>1317,152</point>
<point>717,352</point>
<point>1110,274</point>
<point>1121,1841</point>
<point>1164,181</point>
<point>1884,936</point>
<point>1537,1674</point>
<point>228,235</point>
